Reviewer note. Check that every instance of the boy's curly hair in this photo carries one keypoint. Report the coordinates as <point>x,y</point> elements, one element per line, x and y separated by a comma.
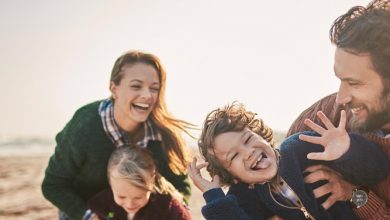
<point>230,118</point>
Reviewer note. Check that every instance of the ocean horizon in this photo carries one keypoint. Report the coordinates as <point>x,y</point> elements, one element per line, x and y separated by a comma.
<point>13,145</point>
<point>22,145</point>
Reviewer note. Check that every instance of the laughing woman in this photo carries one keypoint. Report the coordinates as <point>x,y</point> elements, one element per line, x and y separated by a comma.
<point>135,114</point>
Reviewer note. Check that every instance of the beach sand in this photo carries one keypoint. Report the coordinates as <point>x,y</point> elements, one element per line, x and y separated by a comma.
<point>20,192</point>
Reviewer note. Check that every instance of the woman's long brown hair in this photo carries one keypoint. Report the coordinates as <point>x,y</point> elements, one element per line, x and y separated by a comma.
<point>170,127</point>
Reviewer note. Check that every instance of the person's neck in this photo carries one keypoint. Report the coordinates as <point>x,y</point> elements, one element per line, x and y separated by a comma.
<point>125,123</point>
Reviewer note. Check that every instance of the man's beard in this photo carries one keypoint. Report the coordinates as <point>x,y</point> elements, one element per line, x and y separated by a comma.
<point>375,120</point>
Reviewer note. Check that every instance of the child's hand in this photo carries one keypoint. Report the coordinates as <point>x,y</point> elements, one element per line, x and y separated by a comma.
<point>335,141</point>
<point>200,182</point>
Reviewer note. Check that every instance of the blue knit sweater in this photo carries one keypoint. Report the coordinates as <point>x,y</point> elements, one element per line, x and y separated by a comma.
<point>363,164</point>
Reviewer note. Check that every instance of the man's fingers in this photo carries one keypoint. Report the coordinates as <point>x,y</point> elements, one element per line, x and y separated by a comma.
<point>314,168</point>
<point>317,176</point>
<point>322,190</point>
<point>312,177</point>
<point>329,202</point>
<point>275,217</point>
<point>336,187</point>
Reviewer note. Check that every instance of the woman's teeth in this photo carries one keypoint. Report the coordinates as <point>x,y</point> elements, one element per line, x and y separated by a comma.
<point>141,106</point>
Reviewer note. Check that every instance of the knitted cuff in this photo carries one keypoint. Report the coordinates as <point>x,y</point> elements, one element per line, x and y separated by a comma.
<point>371,208</point>
<point>213,194</point>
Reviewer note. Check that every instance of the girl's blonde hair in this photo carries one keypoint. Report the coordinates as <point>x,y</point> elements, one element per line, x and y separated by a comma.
<point>170,127</point>
<point>136,165</point>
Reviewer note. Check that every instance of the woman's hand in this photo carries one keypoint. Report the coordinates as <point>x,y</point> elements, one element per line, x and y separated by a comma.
<point>200,182</point>
<point>335,140</point>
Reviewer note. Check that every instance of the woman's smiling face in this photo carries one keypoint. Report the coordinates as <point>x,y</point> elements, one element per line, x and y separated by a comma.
<point>246,155</point>
<point>136,94</point>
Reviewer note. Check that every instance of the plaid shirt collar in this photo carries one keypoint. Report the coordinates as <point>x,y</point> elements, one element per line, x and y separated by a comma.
<point>382,133</point>
<point>117,135</point>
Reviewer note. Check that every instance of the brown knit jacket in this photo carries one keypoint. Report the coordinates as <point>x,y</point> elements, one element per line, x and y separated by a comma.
<point>378,206</point>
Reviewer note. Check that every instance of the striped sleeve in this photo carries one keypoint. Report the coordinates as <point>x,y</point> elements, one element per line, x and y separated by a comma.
<point>374,209</point>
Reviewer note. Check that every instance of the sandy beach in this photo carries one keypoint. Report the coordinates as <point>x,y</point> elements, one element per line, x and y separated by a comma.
<point>20,193</point>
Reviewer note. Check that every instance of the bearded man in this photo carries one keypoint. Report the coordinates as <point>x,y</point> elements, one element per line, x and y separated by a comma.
<point>362,63</point>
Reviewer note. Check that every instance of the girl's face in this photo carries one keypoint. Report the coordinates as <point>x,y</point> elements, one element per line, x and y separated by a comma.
<point>136,95</point>
<point>130,197</point>
<point>246,155</point>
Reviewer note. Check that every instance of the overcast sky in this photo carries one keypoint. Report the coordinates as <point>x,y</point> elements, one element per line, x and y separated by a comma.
<point>274,56</point>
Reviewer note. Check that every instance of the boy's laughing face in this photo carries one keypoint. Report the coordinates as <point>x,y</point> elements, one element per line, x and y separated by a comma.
<point>246,155</point>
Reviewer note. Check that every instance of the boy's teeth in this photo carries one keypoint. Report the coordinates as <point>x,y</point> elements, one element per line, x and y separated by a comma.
<point>257,161</point>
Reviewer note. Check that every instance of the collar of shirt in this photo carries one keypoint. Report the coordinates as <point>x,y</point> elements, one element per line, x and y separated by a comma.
<point>118,136</point>
<point>382,133</point>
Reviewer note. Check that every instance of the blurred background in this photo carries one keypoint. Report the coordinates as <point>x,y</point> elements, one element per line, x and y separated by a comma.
<point>55,56</point>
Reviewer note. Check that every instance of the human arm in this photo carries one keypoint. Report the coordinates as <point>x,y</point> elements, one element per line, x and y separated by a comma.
<point>358,160</point>
<point>341,190</point>
<point>336,186</point>
<point>363,164</point>
<point>57,185</point>
<point>249,201</point>
<point>218,205</point>
<point>375,209</point>
<point>78,168</point>
<point>224,207</point>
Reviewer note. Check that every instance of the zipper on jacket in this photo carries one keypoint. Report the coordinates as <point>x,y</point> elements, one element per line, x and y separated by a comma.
<point>302,208</point>
<point>306,213</point>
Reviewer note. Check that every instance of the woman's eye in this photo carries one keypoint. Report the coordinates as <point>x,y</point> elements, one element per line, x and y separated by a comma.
<point>135,86</point>
<point>234,156</point>
<point>155,89</point>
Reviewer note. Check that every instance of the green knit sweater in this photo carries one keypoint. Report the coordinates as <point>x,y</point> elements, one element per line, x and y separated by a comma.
<point>78,168</point>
